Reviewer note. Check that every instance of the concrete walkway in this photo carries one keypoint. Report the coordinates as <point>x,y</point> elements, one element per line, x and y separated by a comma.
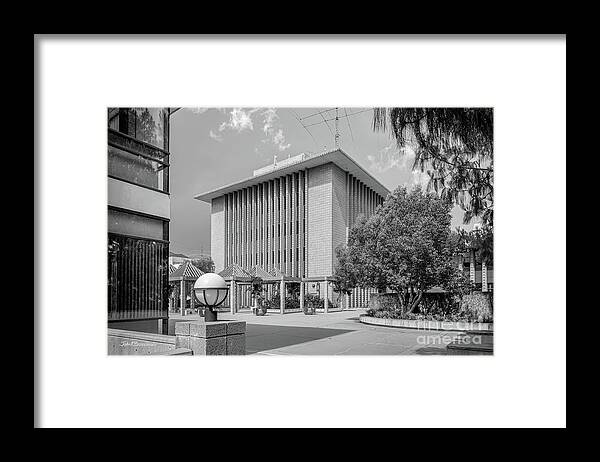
<point>338,333</point>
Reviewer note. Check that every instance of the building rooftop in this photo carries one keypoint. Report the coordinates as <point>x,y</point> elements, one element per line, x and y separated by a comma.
<point>300,162</point>
<point>173,254</point>
<point>185,271</point>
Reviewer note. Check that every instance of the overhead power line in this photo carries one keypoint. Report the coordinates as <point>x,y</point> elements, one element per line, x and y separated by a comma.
<point>316,114</point>
<point>306,129</point>
<point>348,115</point>
<point>349,126</point>
<point>336,136</point>
<point>325,124</point>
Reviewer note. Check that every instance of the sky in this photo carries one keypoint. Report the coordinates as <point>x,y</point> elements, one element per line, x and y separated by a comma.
<point>211,147</point>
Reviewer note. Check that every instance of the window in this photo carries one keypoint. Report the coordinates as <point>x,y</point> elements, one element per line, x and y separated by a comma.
<point>136,169</point>
<point>130,224</point>
<point>148,124</point>
<point>137,278</point>
<point>145,164</point>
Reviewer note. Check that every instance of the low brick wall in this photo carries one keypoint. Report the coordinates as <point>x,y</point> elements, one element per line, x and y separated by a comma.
<point>428,325</point>
<point>127,342</point>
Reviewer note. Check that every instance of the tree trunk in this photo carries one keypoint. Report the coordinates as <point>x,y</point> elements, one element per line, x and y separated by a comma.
<point>414,302</point>
<point>400,300</point>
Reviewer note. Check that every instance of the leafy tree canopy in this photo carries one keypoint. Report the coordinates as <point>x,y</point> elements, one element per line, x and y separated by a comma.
<point>204,263</point>
<point>405,246</point>
<point>454,146</point>
<point>479,241</point>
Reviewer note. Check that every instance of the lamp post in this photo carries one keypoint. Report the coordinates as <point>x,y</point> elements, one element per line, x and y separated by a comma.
<point>210,290</point>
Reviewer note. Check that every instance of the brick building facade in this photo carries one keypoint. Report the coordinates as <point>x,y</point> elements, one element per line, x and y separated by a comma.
<point>292,215</point>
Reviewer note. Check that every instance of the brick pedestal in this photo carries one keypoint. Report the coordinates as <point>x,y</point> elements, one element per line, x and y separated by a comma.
<point>212,338</point>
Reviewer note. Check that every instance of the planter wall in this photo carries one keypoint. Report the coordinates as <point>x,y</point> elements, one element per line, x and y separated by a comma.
<point>428,325</point>
<point>127,342</point>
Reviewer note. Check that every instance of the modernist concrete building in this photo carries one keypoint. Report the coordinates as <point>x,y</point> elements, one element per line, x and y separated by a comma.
<point>290,216</point>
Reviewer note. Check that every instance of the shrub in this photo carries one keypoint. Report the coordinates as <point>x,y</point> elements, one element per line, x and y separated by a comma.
<point>291,303</point>
<point>477,307</point>
<point>386,301</point>
<point>309,309</point>
<point>314,301</point>
<point>272,303</point>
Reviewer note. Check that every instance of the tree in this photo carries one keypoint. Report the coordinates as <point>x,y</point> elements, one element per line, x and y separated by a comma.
<point>478,243</point>
<point>256,290</point>
<point>293,290</point>
<point>344,271</point>
<point>355,265</point>
<point>204,263</point>
<point>455,145</point>
<point>146,127</point>
<point>405,246</point>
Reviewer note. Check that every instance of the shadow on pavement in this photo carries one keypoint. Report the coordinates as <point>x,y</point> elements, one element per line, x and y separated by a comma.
<point>445,351</point>
<point>261,337</point>
<point>431,351</point>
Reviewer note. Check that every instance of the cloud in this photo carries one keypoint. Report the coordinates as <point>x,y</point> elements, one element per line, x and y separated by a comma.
<point>421,178</point>
<point>199,110</point>
<point>269,118</point>
<point>239,120</point>
<point>279,140</point>
<point>215,136</point>
<point>391,157</point>
<point>272,130</point>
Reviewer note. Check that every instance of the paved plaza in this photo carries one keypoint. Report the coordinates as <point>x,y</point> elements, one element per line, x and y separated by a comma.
<point>338,333</point>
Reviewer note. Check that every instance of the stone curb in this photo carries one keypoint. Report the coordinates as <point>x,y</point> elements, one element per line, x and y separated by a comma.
<point>428,325</point>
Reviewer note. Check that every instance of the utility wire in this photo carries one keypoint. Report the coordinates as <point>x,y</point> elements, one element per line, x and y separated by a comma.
<point>307,131</point>
<point>325,124</point>
<point>326,120</point>
<point>349,126</point>
<point>317,113</point>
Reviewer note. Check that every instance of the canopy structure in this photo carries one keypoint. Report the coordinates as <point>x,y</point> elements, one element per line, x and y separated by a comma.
<point>186,274</point>
<point>235,272</point>
<point>277,275</point>
<point>236,276</point>
<point>260,272</point>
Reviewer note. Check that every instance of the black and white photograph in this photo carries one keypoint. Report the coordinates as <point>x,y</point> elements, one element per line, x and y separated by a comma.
<point>299,231</point>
